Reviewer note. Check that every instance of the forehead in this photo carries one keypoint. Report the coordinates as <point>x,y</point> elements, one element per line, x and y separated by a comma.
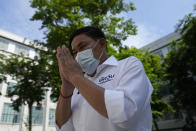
<point>80,38</point>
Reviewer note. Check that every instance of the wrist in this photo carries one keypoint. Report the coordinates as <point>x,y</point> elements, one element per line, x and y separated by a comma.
<point>66,90</point>
<point>66,83</point>
<point>75,79</point>
<point>67,96</point>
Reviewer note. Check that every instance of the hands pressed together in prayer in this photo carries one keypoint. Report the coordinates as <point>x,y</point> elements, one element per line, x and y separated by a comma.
<point>68,68</point>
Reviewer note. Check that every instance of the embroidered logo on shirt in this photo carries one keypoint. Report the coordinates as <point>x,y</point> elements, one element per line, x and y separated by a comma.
<point>106,79</point>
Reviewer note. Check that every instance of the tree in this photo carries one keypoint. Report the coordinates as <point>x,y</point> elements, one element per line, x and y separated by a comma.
<point>154,70</point>
<point>31,76</point>
<point>180,66</point>
<point>60,18</point>
<point>2,77</point>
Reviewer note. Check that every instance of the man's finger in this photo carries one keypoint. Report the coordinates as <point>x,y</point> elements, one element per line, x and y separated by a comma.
<point>60,56</point>
<point>59,53</point>
<point>65,50</point>
<point>66,54</point>
<point>58,49</point>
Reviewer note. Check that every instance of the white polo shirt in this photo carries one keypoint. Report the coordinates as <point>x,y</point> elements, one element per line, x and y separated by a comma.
<point>127,99</point>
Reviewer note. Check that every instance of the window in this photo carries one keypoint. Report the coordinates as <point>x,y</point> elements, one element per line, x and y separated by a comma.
<point>165,91</point>
<point>172,116</point>
<point>190,112</point>
<point>22,49</point>
<point>32,54</point>
<point>10,87</point>
<point>51,116</point>
<point>53,99</point>
<point>160,53</point>
<point>3,44</point>
<point>9,115</point>
<point>169,48</point>
<point>37,115</point>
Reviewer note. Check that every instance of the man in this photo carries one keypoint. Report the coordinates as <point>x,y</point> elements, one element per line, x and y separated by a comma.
<point>111,96</point>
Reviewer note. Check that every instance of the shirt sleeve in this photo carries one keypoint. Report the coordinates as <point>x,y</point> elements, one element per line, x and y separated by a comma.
<point>68,126</point>
<point>132,94</point>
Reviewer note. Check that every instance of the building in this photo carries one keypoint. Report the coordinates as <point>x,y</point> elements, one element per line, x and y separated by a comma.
<point>161,47</point>
<point>10,120</point>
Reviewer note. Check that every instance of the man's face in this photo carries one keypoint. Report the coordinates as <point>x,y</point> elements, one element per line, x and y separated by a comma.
<point>83,42</point>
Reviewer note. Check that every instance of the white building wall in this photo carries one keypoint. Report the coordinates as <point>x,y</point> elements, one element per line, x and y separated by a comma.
<point>46,103</point>
<point>22,119</point>
<point>46,112</point>
<point>11,47</point>
<point>9,127</point>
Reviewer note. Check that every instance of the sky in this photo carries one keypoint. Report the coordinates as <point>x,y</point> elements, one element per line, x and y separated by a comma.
<point>154,19</point>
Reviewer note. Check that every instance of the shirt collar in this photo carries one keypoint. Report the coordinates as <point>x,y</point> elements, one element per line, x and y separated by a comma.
<point>110,61</point>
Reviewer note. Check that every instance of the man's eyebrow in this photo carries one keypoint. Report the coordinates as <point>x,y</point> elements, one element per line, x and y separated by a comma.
<point>79,45</point>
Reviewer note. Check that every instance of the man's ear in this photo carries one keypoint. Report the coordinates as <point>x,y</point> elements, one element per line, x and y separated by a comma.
<point>103,42</point>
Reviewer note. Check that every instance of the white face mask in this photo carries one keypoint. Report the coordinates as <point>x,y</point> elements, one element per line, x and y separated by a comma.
<point>87,61</point>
